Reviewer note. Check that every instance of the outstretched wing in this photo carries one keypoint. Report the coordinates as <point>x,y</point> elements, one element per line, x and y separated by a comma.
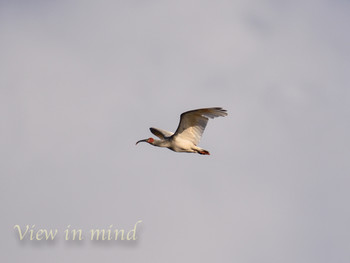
<point>192,123</point>
<point>161,134</point>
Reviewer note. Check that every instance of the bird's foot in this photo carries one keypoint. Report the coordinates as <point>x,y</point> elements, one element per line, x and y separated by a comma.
<point>204,152</point>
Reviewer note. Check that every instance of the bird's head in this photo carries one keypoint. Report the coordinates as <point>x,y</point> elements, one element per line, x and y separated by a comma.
<point>149,140</point>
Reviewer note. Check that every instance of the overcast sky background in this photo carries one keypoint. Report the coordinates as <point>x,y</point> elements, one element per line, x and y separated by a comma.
<point>82,81</point>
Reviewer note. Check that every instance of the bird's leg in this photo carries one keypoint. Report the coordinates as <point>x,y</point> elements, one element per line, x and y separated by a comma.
<point>203,152</point>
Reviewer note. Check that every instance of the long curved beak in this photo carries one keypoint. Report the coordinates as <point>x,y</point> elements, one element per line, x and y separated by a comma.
<point>145,140</point>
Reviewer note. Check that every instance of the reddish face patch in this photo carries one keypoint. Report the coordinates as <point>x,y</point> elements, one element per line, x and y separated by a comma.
<point>150,140</point>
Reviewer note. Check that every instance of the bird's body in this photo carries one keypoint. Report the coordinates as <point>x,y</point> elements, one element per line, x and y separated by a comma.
<point>176,144</point>
<point>188,133</point>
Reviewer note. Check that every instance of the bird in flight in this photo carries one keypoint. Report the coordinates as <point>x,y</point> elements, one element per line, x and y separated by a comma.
<point>188,133</point>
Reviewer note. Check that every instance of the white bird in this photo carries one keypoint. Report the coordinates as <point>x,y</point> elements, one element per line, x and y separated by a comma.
<point>188,133</point>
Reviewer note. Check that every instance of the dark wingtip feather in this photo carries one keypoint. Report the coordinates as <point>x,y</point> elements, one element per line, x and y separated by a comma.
<point>221,110</point>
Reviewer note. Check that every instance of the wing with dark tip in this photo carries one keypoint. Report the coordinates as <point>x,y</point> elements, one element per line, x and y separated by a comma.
<point>192,123</point>
<point>161,134</point>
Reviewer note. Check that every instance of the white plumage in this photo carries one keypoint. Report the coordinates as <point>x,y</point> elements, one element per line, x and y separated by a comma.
<point>188,133</point>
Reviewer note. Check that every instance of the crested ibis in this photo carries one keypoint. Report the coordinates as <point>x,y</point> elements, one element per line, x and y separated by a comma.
<point>188,133</point>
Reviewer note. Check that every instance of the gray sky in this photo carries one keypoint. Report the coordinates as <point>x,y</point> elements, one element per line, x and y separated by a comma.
<point>82,81</point>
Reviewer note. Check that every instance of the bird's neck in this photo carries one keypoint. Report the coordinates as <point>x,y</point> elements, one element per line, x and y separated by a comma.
<point>160,143</point>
